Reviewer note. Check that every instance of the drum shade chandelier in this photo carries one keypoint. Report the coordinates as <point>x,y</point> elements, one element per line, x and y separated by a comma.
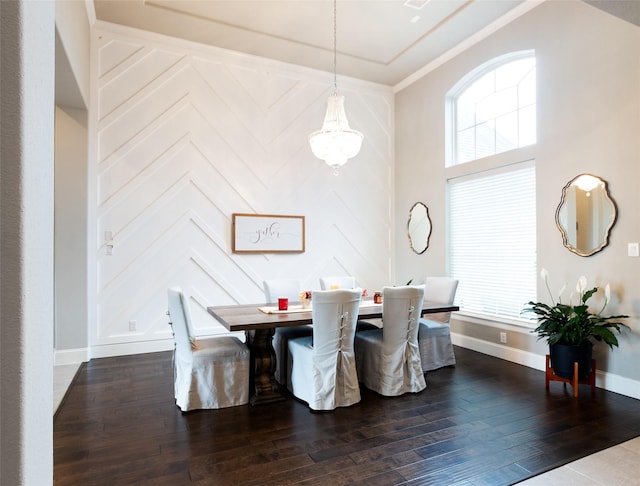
<point>335,142</point>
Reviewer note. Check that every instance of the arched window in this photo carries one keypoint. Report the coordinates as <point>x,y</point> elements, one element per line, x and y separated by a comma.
<point>493,108</point>
<point>492,203</point>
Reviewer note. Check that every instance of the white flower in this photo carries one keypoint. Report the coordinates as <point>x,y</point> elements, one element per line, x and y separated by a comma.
<point>564,287</point>
<point>607,297</point>
<point>544,274</point>
<point>581,285</point>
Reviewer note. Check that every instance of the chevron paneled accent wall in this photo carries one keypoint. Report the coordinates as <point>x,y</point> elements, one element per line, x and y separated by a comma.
<point>183,136</point>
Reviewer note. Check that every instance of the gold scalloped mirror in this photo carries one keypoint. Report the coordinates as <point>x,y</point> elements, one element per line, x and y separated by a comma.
<point>419,228</point>
<point>586,215</point>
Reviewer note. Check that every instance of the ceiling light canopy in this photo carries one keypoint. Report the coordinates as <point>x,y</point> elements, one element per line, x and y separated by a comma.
<point>417,4</point>
<point>335,142</point>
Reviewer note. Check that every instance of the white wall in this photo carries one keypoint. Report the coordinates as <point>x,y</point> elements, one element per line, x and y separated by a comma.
<point>70,232</point>
<point>72,43</point>
<point>73,19</point>
<point>26,235</point>
<point>588,67</point>
<point>181,137</point>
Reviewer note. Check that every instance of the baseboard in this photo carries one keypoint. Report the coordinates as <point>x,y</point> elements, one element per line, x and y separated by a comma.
<point>606,381</point>
<point>122,349</point>
<point>618,384</point>
<point>70,356</point>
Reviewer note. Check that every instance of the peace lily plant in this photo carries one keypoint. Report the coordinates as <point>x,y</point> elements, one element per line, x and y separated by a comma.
<point>575,325</point>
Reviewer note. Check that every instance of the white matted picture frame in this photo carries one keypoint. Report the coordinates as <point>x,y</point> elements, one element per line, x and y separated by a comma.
<point>267,233</point>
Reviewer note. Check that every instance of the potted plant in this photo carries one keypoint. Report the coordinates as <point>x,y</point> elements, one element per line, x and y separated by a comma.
<point>570,330</point>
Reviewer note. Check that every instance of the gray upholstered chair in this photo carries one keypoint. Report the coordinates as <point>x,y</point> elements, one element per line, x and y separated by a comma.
<point>323,366</point>
<point>290,288</point>
<point>388,359</point>
<point>209,372</point>
<point>434,334</point>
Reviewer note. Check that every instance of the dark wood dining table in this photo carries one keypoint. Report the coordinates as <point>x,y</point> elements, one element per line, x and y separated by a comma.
<point>260,327</point>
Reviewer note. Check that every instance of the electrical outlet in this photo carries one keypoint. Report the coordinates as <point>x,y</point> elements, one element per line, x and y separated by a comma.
<point>633,249</point>
<point>132,325</point>
<point>503,337</point>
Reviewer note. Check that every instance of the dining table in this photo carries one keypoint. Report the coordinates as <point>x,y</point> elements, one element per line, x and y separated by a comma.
<point>259,322</point>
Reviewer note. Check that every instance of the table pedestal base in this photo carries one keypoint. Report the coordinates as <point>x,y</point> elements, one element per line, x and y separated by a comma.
<point>264,387</point>
<point>591,379</point>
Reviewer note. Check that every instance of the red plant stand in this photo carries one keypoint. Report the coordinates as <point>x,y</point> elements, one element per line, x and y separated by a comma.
<point>591,379</point>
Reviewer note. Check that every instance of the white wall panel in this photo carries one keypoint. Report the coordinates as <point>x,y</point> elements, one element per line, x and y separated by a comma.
<point>185,136</point>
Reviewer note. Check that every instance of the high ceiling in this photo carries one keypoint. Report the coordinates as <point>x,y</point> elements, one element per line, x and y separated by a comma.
<point>384,41</point>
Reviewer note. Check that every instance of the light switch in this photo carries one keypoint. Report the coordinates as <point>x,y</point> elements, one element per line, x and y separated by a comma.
<point>633,249</point>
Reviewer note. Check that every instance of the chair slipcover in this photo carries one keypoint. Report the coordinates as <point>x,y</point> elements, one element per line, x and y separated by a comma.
<point>434,334</point>
<point>281,287</point>
<point>388,359</point>
<point>323,367</point>
<point>210,372</point>
<point>348,282</point>
<point>343,282</point>
<point>289,288</point>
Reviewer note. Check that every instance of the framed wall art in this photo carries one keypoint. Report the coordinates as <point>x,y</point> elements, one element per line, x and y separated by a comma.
<point>267,233</point>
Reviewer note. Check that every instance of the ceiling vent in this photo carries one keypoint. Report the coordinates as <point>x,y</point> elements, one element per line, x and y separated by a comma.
<point>417,4</point>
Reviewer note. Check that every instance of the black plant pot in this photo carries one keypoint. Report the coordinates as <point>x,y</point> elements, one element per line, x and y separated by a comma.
<point>563,356</point>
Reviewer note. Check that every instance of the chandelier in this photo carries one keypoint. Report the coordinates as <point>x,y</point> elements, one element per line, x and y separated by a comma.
<point>335,142</point>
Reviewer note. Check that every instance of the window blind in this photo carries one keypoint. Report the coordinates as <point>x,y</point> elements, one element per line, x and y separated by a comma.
<point>492,240</point>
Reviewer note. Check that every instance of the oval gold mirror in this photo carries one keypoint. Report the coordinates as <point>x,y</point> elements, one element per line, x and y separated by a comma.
<point>419,228</point>
<point>586,215</point>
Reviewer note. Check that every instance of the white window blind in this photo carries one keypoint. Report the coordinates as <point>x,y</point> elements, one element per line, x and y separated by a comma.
<point>492,240</point>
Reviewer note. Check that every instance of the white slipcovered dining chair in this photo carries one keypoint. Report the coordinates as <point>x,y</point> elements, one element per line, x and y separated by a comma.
<point>388,359</point>
<point>434,334</point>
<point>342,282</point>
<point>348,282</point>
<point>290,288</point>
<point>323,366</point>
<point>209,372</point>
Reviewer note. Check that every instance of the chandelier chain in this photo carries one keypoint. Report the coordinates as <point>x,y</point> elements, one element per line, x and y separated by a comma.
<point>335,142</point>
<point>335,43</point>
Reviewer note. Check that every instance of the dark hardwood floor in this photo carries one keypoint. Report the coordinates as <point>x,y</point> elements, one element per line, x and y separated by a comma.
<point>484,422</point>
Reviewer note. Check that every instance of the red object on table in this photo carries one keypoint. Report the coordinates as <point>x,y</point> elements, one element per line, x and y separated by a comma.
<point>283,303</point>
